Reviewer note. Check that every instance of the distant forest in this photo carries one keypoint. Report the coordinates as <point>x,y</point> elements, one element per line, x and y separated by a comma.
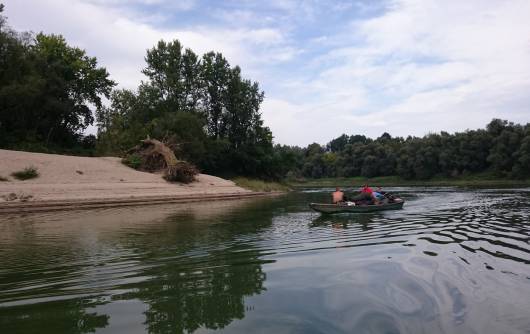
<point>209,114</point>
<point>503,149</point>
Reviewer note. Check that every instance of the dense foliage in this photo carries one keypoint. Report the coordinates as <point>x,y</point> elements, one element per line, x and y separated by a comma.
<point>200,103</point>
<point>47,90</point>
<point>503,149</point>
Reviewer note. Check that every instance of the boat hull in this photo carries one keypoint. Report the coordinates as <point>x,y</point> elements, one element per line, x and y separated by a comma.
<point>337,208</point>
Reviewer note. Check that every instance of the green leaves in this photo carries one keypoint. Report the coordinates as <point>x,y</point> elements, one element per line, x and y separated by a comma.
<point>502,148</point>
<point>201,103</point>
<point>47,90</point>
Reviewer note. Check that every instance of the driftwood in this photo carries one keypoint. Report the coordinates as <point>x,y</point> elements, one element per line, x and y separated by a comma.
<point>153,156</point>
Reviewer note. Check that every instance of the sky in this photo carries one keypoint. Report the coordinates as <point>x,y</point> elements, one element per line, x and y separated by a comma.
<point>406,67</point>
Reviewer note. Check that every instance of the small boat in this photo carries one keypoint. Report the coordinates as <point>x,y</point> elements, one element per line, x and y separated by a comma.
<point>345,208</point>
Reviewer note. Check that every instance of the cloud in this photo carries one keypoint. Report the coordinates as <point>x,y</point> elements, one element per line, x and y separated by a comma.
<point>423,66</point>
<point>120,43</point>
<point>327,67</point>
<point>182,5</point>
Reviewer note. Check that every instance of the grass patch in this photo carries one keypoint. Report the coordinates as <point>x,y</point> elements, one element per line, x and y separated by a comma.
<point>3,179</point>
<point>259,185</point>
<point>474,180</point>
<point>26,174</point>
<point>132,160</point>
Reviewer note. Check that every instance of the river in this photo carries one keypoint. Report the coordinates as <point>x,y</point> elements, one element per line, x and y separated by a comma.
<point>452,261</point>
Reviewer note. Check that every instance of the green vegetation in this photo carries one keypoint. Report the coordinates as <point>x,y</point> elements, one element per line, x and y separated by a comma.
<point>259,185</point>
<point>501,151</point>
<point>26,174</point>
<point>201,106</point>
<point>46,90</point>
<point>393,181</point>
<point>132,160</point>
<point>3,179</point>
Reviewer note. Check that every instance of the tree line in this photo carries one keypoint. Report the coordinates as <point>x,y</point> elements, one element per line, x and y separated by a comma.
<point>502,148</point>
<point>209,113</point>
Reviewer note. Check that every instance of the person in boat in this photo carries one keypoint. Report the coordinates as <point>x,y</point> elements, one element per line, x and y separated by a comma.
<point>388,197</point>
<point>378,198</point>
<point>338,196</point>
<point>365,196</point>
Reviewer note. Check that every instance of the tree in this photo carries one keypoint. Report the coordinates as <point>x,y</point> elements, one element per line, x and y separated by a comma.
<point>215,74</point>
<point>47,90</point>
<point>505,143</point>
<point>522,165</point>
<point>338,144</point>
<point>203,104</point>
<point>503,148</point>
<point>176,76</point>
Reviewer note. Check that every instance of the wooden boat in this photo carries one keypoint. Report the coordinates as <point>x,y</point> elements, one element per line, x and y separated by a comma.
<point>344,208</point>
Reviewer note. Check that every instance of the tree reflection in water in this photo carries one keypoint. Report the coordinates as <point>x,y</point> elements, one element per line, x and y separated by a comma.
<point>185,299</point>
<point>54,317</point>
<point>192,267</point>
<point>203,270</point>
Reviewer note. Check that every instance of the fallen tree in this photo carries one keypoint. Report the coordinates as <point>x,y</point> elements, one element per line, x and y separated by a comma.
<point>153,156</point>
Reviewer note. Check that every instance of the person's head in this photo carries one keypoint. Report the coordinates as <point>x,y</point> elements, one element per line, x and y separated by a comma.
<point>337,188</point>
<point>365,186</point>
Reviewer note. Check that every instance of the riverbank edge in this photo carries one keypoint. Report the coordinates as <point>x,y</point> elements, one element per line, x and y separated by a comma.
<point>257,185</point>
<point>61,205</point>
<point>396,182</point>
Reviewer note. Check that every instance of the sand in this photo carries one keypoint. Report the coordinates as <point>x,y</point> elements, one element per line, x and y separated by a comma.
<point>82,179</point>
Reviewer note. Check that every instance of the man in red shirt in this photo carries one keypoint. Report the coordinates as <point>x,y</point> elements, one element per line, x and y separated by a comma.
<point>366,190</point>
<point>365,195</point>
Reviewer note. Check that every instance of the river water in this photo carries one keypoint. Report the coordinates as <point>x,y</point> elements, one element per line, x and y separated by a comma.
<point>452,261</point>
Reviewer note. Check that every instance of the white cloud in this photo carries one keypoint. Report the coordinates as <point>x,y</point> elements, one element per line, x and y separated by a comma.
<point>167,4</point>
<point>120,43</point>
<point>424,66</point>
<point>418,67</point>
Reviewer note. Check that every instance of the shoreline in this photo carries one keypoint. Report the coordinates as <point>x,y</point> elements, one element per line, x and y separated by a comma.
<point>398,182</point>
<point>85,204</point>
<point>71,182</point>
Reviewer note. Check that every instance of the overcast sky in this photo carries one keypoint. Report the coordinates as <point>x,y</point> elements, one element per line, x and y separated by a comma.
<point>327,67</point>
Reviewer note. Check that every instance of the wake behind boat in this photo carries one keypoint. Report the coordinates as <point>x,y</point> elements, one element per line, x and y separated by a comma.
<point>345,208</point>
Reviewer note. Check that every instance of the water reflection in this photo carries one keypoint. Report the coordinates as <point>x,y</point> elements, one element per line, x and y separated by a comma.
<point>182,264</point>
<point>69,316</point>
<point>204,289</point>
<point>452,261</point>
<point>344,221</point>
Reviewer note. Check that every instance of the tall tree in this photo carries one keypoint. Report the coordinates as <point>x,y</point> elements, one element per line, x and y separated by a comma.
<point>47,90</point>
<point>228,133</point>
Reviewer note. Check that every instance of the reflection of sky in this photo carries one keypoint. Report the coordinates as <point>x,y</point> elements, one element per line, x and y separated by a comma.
<point>385,289</point>
<point>327,67</point>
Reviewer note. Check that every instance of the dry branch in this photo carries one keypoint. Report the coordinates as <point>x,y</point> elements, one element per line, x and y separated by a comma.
<point>153,156</point>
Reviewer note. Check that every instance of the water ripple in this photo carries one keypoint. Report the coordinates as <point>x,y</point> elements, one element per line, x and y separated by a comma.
<point>449,262</point>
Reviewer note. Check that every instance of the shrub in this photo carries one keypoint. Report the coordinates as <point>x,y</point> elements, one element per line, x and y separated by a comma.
<point>133,160</point>
<point>181,172</point>
<point>26,174</point>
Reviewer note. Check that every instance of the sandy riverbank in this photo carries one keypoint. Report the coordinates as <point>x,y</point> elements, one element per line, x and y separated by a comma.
<point>97,180</point>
